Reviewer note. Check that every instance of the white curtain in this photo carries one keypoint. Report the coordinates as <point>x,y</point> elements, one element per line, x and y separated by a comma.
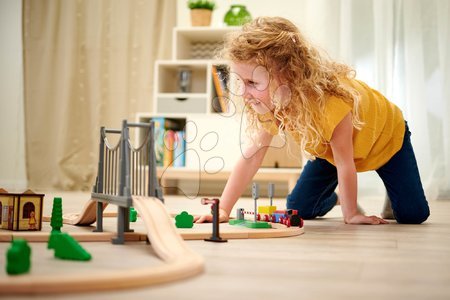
<point>421,82</point>
<point>402,49</point>
<point>86,64</point>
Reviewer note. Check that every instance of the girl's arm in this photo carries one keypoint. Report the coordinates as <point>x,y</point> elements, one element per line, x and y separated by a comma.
<point>342,147</point>
<point>243,172</point>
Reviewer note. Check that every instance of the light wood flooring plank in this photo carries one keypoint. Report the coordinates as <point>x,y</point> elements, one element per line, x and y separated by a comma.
<point>330,261</point>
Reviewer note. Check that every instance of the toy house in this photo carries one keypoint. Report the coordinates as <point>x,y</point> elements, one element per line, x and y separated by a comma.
<point>21,211</point>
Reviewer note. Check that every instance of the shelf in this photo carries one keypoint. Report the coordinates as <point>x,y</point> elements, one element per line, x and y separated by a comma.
<point>204,33</point>
<point>174,64</point>
<point>201,97</point>
<point>163,124</point>
<point>288,175</point>
<point>171,80</point>
<point>200,43</point>
<point>182,95</point>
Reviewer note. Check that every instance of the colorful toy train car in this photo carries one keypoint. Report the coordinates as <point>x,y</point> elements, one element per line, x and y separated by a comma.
<point>288,217</point>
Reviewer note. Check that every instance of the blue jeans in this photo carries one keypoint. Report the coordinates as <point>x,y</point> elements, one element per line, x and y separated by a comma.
<point>314,194</point>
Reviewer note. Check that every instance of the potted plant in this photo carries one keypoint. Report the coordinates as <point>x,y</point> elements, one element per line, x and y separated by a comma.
<point>201,11</point>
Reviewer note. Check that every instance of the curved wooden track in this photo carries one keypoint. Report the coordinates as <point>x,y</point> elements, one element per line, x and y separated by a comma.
<point>181,261</point>
<point>200,231</point>
<point>87,216</point>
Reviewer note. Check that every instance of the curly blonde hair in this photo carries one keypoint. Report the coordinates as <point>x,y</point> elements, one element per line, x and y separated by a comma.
<point>277,44</point>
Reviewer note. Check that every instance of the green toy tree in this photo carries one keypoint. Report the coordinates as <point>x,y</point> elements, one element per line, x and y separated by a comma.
<point>57,219</point>
<point>66,247</point>
<point>18,257</point>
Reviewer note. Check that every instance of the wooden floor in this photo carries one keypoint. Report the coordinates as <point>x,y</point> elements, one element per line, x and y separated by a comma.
<point>330,261</point>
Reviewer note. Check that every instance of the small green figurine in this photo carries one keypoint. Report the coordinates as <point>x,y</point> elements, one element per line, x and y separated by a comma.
<point>184,220</point>
<point>18,257</point>
<point>133,214</point>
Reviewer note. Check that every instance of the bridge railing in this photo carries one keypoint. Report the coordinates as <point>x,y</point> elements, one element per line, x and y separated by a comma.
<point>123,171</point>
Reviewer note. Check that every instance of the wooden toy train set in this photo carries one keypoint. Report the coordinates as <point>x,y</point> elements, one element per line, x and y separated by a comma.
<point>126,177</point>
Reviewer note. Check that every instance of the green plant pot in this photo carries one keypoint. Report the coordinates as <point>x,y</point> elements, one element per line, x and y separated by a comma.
<point>237,15</point>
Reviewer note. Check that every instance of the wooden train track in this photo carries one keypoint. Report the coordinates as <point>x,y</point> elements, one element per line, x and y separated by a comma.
<point>167,241</point>
<point>180,261</point>
<point>87,216</point>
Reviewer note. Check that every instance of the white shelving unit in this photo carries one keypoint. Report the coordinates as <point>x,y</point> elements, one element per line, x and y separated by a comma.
<point>196,107</point>
<point>167,96</point>
<point>212,139</point>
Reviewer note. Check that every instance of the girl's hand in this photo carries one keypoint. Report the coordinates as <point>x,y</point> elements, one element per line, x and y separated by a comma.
<point>362,219</point>
<point>223,217</point>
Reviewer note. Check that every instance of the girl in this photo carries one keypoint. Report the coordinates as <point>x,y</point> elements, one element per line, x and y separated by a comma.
<point>343,125</point>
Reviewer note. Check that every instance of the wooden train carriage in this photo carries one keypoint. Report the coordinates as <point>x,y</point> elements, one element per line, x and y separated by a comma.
<point>21,211</point>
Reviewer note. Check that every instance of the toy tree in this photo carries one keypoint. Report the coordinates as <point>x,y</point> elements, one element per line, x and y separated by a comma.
<point>66,247</point>
<point>18,257</point>
<point>57,219</point>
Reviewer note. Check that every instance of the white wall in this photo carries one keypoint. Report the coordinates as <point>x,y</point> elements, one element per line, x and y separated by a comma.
<point>291,9</point>
<point>12,146</point>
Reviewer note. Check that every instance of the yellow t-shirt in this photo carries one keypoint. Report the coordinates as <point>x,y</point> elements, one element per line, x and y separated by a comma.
<point>378,140</point>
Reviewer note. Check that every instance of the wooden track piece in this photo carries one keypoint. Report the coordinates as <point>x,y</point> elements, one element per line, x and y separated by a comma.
<point>198,232</point>
<point>162,233</point>
<point>87,216</point>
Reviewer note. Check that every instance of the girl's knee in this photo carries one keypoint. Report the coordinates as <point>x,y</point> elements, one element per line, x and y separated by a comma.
<point>413,217</point>
<point>311,208</point>
<point>304,211</point>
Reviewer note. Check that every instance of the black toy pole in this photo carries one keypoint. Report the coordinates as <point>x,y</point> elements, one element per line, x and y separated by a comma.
<point>215,213</point>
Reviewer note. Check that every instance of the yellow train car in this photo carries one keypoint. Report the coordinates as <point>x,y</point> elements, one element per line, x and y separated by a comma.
<point>21,211</point>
